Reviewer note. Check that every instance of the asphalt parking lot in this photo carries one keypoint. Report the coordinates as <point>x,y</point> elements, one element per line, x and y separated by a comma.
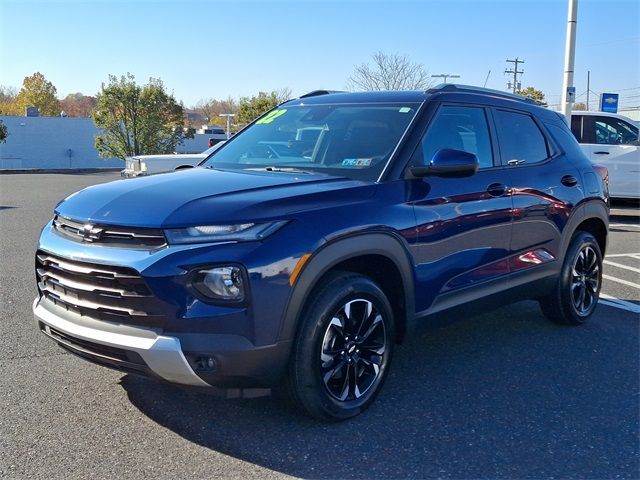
<point>500,395</point>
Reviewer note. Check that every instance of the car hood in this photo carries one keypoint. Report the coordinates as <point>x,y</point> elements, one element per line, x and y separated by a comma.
<point>203,196</point>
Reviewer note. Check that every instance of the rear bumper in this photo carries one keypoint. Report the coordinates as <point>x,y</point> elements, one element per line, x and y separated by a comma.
<point>132,173</point>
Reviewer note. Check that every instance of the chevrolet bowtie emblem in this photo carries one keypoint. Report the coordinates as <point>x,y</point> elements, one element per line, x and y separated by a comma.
<point>90,233</point>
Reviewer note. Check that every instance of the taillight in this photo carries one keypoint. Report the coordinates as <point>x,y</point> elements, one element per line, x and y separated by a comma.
<point>602,171</point>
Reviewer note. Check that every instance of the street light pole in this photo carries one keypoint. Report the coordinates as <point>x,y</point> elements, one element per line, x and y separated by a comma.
<point>229,116</point>
<point>568,89</point>
<point>445,76</point>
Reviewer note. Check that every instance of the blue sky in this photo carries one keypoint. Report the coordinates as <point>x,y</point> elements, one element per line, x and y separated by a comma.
<point>203,49</point>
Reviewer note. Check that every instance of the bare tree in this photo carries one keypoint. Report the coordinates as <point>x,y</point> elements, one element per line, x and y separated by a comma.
<point>389,72</point>
<point>212,108</point>
<point>283,94</point>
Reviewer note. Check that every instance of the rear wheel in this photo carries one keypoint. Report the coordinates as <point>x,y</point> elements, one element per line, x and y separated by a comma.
<point>343,349</point>
<point>576,294</point>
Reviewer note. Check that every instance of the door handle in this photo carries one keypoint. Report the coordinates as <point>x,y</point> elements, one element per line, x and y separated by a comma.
<point>601,153</point>
<point>497,189</point>
<point>569,181</point>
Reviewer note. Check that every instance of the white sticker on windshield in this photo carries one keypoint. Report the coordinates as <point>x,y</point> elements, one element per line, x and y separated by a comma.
<point>405,110</point>
<point>356,162</point>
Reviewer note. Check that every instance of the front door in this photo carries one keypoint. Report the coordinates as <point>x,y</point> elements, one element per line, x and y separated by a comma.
<point>463,224</point>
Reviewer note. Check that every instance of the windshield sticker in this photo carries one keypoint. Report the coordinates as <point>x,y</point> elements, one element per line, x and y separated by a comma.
<point>356,162</point>
<point>272,116</point>
<point>405,110</point>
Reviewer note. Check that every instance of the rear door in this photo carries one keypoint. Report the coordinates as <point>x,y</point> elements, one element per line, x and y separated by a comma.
<point>613,143</point>
<point>545,188</point>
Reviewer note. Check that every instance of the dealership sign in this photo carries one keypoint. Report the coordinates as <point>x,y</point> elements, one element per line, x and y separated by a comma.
<point>609,102</point>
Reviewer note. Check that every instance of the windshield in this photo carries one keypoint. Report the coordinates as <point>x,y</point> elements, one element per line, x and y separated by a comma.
<point>354,141</point>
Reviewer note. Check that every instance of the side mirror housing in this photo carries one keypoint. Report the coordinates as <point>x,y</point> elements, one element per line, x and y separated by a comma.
<point>448,163</point>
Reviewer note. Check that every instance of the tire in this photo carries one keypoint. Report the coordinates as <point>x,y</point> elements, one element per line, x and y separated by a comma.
<point>575,295</point>
<point>343,348</point>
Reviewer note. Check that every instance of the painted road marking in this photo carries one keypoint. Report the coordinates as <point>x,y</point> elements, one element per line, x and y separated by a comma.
<point>634,255</point>
<point>618,303</point>
<point>620,280</point>
<point>619,265</point>
<point>622,225</point>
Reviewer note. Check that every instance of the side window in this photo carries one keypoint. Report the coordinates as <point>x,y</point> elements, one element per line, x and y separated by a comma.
<point>576,127</point>
<point>612,131</point>
<point>520,138</point>
<point>460,128</point>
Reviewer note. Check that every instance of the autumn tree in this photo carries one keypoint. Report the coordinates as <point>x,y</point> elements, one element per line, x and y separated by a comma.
<point>534,94</point>
<point>581,106</point>
<point>78,105</point>
<point>137,119</point>
<point>3,132</point>
<point>251,108</point>
<point>389,72</point>
<point>8,104</point>
<point>38,92</point>
<point>212,108</point>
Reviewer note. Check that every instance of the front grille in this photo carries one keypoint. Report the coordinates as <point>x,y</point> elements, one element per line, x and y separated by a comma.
<point>109,235</point>
<point>101,292</point>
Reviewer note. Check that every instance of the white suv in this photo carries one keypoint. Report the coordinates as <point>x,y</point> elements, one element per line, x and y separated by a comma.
<point>611,140</point>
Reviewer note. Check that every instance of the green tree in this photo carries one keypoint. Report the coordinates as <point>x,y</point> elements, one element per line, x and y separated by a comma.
<point>3,132</point>
<point>37,91</point>
<point>251,108</point>
<point>137,119</point>
<point>534,94</point>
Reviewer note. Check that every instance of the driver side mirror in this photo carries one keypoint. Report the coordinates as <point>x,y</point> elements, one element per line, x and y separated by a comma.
<point>448,162</point>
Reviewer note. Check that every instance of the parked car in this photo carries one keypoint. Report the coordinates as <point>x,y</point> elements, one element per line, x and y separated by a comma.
<point>304,272</point>
<point>140,165</point>
<point>611,140</point>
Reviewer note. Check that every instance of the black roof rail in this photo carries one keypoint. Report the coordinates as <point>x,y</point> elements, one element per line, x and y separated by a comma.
<point>453,87</point>
<point>316,93</point>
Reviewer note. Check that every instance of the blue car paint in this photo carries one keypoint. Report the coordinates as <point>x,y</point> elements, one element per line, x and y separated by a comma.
<point>455,234</point>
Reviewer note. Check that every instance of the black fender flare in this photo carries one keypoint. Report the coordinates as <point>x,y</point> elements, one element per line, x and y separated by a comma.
<point>592,209</point>
<point>335,252</point>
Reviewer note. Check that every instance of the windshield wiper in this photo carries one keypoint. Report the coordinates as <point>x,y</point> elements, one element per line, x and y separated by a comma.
<point>283,170</point>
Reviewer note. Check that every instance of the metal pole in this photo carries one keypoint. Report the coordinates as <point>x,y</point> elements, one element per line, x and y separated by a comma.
<point>569,58</point>
<point>588,87</point>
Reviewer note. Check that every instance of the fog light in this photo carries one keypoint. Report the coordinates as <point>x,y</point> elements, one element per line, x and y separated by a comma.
<point>221,283</point>
<point>205,363</point>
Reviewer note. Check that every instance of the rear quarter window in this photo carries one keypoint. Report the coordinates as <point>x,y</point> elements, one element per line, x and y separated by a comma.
<point>520,138</point>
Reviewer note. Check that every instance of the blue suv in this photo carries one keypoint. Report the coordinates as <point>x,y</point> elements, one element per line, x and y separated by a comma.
<point>302,251</point>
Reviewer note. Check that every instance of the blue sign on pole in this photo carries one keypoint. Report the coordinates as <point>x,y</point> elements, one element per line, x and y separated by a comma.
<point>609,102</point>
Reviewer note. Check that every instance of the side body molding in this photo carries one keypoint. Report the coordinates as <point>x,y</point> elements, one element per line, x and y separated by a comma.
<point>335,252</point>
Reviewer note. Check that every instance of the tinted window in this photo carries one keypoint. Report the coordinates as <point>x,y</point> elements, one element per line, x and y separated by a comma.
<point>354,141</point>
<point>460,128</point>
<point>611,131</point>
<point>520,138</point>
<point>576,126</point>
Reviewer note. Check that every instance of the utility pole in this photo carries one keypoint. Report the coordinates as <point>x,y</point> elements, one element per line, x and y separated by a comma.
<point>515,86</point>
<point>588,87</point>
<point>229,117</point>
<point>568,90</point>
<point>445,76</point>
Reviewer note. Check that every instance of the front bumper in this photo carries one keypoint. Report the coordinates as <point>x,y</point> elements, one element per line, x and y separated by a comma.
<point>161,355</point>
<point>126,173</point>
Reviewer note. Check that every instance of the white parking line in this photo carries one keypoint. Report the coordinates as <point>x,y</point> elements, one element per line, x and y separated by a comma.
<point>619,265</point>
<point>620,280</point>
<point>618,303</point>
<point>618,225</point>
<point>634,255</point>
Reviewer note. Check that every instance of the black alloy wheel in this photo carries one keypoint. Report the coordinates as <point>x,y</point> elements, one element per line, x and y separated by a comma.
<point>343,347</point>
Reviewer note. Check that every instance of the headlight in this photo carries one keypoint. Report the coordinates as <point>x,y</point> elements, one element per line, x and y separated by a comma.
<point>225,284</point>
<point>222,233</point>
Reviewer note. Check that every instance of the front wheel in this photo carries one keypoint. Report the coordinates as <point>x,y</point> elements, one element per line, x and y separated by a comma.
<point>576,293</point>
<point>343,348</point>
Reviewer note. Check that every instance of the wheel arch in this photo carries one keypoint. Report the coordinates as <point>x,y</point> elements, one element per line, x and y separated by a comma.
<point>358,254</point>
<point>595,220</point>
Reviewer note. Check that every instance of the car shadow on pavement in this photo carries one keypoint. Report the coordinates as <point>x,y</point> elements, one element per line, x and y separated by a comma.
<point>502,395</point>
